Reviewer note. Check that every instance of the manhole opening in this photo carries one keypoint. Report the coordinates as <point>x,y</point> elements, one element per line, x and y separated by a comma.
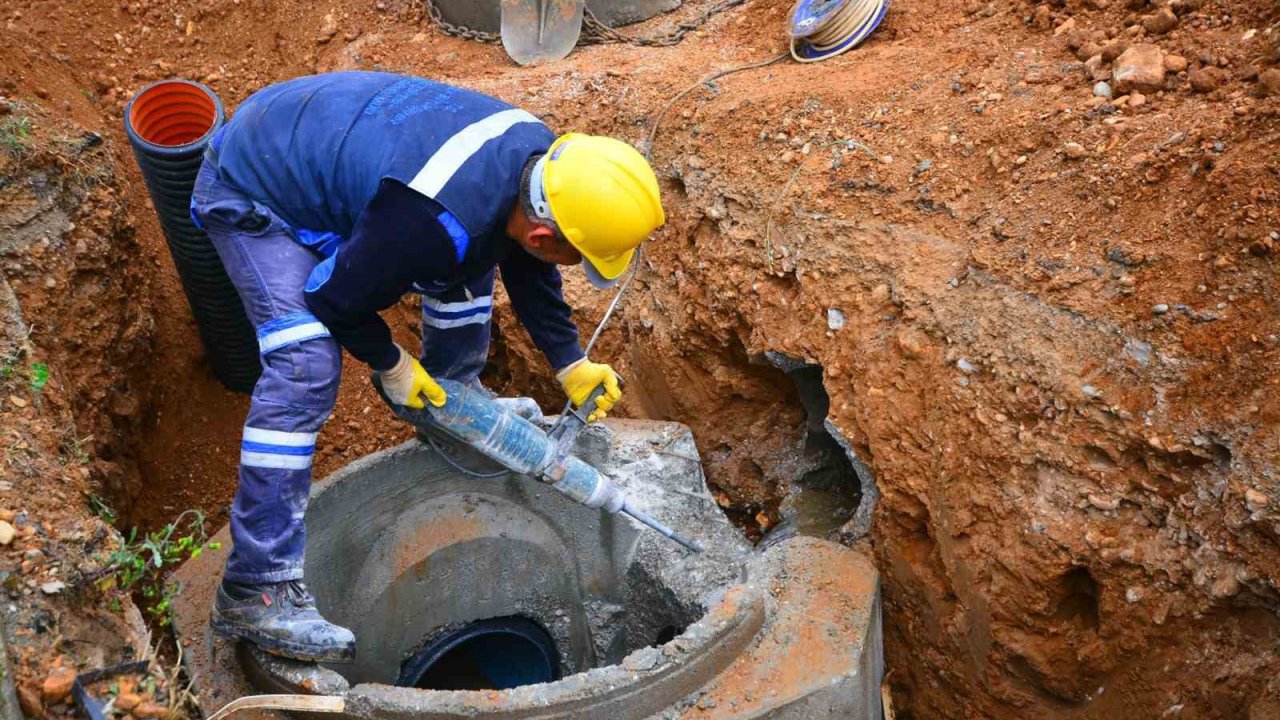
<point>666,635</point>
<point>494,654</point>
<point>460,585</point>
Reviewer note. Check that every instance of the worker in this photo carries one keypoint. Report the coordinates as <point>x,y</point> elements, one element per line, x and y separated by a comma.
<point>331,196</point>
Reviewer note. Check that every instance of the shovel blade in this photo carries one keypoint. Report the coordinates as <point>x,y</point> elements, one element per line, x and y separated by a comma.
<point>540,30</point>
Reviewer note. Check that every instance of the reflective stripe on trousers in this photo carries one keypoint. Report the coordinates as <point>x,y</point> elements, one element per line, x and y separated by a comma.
<point>457,320</point>
<point>301,367</point>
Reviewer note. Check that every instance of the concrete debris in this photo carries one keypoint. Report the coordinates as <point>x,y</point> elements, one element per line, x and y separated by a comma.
<point>645,659</point>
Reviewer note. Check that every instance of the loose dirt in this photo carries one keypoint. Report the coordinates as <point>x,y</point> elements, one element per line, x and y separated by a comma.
<point>1058,351</point>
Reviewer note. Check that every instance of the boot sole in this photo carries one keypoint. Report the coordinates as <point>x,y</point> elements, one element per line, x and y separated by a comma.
<point>283,648</point>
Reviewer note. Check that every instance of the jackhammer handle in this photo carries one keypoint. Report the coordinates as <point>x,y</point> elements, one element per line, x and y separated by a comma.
<point>589,406</point>
<point>572,421</point>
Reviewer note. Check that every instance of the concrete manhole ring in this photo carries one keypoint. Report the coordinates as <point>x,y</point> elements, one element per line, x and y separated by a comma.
<point>408,553</point>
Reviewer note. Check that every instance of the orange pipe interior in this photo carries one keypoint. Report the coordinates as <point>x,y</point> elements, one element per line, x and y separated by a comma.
<point>172,114</point>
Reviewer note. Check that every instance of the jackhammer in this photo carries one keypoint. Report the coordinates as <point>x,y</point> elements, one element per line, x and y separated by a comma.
<point>471,417</point>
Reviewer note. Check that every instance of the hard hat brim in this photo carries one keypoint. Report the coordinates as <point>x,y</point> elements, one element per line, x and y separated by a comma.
<point>597,279</point>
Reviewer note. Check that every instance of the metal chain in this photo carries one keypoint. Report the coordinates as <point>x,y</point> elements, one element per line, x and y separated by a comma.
<point>594,32</point>
<point>597,33</point>
<point>458,30</point>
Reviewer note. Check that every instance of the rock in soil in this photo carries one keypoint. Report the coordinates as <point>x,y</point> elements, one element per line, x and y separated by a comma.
<point>1207,79</point>
<point>57,686</point>
<point>1114,50</point>
<point>1073,150</point>
<point>29,701</point>
<point>1141,67</point>
<point>1269,82</point>
<point>1161,22</point>
<point>148,710</point>
<point>128,701</point>
<point>1255,500</point>
<point>1097,68</point>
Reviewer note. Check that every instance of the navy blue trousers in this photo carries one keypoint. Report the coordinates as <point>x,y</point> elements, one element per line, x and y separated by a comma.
<point>301,368</point>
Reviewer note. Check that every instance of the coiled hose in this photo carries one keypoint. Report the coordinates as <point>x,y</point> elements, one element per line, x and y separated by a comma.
<point>169,123</point>
<point>821,29</point>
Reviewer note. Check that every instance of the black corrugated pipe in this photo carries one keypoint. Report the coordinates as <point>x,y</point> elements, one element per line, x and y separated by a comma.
<point>168,124</point>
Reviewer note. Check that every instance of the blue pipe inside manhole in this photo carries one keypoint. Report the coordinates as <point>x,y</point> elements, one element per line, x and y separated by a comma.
<point>494,654</point>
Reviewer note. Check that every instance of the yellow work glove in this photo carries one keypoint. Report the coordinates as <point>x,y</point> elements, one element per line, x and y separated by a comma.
<point>584,376</point>
<point>406,383</point>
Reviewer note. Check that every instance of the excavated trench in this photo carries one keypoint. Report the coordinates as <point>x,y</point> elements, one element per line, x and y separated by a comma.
<point>453,584</point>
<point>501,598</point>
<point>1076,491</point>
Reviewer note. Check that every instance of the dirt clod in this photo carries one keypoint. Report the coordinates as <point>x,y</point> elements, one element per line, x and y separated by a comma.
<point>1207,79</point>
<point>149,710</point>
<point>30,702</point>
<point>1269,82</point>
<point>57,686</point>
<point>127,701</point>
<point>1160,22</point>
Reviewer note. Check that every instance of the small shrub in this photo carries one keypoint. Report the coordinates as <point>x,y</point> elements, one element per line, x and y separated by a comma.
<point>39,376</point>
<point>15,135</point>
<point>142,565</point>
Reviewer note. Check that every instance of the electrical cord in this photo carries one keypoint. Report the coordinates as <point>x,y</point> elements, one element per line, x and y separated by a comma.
<point>435,445</point>
<point>636,262</point>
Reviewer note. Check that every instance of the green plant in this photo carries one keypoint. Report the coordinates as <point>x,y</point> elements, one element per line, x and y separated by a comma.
<point>142,564</point>
<point>101,508</point>
<point>15,134</point>
<point>74,448</point>
<point>39,376</point>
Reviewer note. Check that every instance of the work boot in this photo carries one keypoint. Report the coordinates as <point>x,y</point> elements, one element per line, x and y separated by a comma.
<point>281,618</point>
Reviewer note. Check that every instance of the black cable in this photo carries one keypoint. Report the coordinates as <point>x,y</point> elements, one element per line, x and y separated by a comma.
<point>431,441</point>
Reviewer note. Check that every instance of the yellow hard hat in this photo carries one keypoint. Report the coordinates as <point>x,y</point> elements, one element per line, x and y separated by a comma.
<point>603,196</point>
